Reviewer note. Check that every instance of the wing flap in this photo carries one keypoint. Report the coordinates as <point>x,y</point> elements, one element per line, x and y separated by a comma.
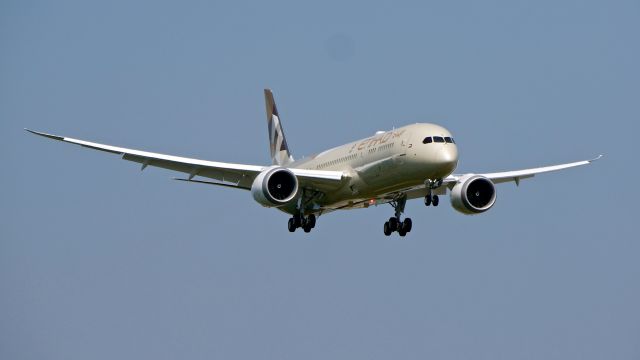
<point>231,185</point>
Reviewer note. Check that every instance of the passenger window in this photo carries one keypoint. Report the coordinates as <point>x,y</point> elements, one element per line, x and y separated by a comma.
<point>427,140</point>
<point>438,139</point>
<point>448,139</point>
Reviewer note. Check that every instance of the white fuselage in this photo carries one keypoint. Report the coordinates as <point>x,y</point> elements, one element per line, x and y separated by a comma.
<point>387,161</point>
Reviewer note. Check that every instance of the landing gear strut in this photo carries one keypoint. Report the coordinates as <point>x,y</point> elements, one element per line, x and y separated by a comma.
<point>299,221</point>
<point>394,223</point>
<point>431,199</point>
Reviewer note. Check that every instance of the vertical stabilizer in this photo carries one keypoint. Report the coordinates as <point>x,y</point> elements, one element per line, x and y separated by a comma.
<point>280,154</point>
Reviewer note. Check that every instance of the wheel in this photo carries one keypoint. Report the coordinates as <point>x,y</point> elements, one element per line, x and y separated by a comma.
<point>407,224</point>
<point>311,220</point>
<point>306,228</point>
<point>297,220</point>
<point>402,232</point>
<point>427,200</point>
<point>436,200</point>
<point>387,229</point>
<point>292,225</point>
<point>393,224</point>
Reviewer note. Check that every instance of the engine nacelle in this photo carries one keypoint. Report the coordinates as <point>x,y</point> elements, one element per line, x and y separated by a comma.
<point>473,194</point>
<point>274,187</point>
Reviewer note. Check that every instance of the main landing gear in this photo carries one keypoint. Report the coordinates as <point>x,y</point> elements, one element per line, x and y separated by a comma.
<point>431,199</point>
<point>298,221</point>
<point>394,223</point>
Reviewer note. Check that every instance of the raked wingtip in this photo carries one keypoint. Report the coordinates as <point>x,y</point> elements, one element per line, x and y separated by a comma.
<point>50,136</point>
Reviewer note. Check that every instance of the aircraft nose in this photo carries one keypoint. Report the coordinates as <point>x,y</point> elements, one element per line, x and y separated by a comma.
<point>448,158</point>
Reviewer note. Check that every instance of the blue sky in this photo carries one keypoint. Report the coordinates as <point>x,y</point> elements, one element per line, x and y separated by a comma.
<point>98,260</point>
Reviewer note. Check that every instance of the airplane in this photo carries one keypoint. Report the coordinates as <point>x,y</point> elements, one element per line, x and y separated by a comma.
<point>416,161</point>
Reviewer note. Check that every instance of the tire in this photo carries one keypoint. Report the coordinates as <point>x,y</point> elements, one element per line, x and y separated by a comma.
<point>427,200</point>
<point>306,228</point>
<point>393,224</point>
<point>311,221</point>
<point>297,220</point>
<point>292,225</point>
<point>436,200</point>
<point>387,229</point>
<point>402,232</point>
<point>407,224</point>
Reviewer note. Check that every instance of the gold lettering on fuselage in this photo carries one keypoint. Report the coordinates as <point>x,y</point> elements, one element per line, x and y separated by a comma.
<point>363,144</point>
<point>380,139</point>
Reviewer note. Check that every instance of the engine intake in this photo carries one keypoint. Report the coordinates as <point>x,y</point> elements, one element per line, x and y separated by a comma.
<point>473,194</point>
<point>275,186</point>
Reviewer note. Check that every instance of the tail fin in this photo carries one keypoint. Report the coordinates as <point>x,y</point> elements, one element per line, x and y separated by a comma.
<point>280,154</point>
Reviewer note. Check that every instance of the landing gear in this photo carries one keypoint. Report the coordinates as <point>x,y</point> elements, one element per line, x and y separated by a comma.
<point>299,221</point>
<point>387,229</point>
<point>311,221</point>
<point>407,224</point>
<point>402,227</point>
<point>431,199</point>
<point>394,223</point>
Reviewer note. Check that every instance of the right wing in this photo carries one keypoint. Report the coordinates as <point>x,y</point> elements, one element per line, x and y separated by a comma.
<point>226,174</point>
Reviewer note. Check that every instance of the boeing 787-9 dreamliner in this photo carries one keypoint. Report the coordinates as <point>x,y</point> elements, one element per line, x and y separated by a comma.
<point>390,167</point>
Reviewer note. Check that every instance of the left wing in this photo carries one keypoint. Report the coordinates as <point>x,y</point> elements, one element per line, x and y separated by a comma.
<point>226,174</point>
<point>496,177</point>
<point>517,175</point>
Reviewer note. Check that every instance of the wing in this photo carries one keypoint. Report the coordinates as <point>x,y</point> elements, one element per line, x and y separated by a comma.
<point>517,175</point>
<point>496,177</point>
<point>226,174</point>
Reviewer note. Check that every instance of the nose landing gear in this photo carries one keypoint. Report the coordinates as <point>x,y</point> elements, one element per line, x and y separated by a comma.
<point>431,199</point>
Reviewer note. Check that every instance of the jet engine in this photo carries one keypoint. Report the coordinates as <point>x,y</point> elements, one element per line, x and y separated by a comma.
<point>473,194</point>
<point>274,187</point>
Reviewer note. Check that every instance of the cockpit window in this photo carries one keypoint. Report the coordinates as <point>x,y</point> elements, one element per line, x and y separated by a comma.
<point>448,139</point>
<point>427,140</point>
<point>438,139</point>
